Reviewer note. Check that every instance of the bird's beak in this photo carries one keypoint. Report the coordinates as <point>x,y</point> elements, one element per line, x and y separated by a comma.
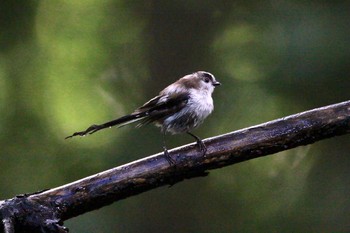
<point>216,83</point>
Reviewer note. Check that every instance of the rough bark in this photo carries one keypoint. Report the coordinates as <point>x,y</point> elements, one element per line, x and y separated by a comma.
<point>45,211</point>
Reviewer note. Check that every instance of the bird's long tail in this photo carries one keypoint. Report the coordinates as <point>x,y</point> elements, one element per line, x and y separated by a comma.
<point>128,119</point>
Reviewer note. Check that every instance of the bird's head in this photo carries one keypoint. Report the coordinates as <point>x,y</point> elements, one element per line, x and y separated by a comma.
<point>200,80</point>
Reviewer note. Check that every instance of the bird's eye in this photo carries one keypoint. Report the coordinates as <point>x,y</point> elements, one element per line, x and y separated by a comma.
<point>206,79</point>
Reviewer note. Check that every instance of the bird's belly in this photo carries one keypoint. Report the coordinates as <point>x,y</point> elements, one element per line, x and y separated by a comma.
<point>187,119</point>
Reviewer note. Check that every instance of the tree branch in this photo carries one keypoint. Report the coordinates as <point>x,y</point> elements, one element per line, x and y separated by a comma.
<point>46,210</point>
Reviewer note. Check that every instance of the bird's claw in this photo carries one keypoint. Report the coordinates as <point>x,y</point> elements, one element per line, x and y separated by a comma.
<point>202,147</point>
<point>168,158</point>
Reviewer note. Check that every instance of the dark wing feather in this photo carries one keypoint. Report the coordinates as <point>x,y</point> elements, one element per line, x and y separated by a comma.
<point>154,110</point>
<point>150,104</point>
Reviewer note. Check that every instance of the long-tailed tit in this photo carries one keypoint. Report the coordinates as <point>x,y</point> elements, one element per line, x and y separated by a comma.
<point>179,108</point>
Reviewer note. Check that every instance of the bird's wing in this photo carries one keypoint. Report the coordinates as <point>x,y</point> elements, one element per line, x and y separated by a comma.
<point>162,106</point>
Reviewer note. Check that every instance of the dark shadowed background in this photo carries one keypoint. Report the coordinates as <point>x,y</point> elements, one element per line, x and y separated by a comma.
<point>65,65</point>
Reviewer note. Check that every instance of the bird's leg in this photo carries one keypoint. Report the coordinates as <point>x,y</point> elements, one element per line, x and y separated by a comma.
<point>166,153</point>
<point>200,143</point>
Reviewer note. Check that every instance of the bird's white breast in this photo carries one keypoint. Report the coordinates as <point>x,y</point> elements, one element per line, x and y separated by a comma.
<point>198,107</point>
<point>201,102</point>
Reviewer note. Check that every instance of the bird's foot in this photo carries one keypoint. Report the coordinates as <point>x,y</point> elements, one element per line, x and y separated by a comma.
<point>200,144</point>
<point>168,158</point>
<point>202,147</point>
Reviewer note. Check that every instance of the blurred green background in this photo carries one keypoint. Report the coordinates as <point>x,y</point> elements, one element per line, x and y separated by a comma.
<point>67,64</point>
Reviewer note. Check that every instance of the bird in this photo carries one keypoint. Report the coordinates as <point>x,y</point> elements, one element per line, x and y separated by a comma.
<point>179,108</point>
